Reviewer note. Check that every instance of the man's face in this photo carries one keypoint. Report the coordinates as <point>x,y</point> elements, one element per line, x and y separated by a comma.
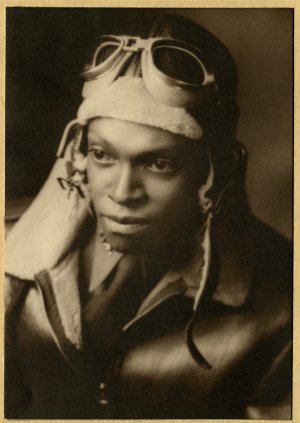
<point>143,183</point>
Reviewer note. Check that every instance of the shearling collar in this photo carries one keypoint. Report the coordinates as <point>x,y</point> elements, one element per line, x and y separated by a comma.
<point>62,280</point>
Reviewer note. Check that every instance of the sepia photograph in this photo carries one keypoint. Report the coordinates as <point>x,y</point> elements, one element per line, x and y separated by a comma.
<point>149,171</point>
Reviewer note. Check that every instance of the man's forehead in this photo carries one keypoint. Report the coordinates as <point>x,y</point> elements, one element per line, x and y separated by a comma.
<point>134,138</point>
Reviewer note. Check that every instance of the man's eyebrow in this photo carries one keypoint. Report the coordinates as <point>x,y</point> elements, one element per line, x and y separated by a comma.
<point>163,152</point>
<point>166,152</point>
<point>109,148</point>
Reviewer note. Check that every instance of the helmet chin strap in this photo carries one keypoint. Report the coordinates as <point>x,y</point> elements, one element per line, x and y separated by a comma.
<point>65,137</point>
<point>206,205</point>
<point>209,209</point>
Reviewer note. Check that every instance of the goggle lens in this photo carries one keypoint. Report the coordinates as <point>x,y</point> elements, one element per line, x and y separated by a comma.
<point>178,64</point>
<point>105,51</point>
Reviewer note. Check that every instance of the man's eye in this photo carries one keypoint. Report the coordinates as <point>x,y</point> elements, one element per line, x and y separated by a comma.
<point>99,156</point>
<point>162,166</point>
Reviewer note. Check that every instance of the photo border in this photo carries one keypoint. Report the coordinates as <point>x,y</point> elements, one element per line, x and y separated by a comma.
<point>178,4</point>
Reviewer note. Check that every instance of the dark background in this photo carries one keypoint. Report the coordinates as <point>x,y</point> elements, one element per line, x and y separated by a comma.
<point>48,47</point>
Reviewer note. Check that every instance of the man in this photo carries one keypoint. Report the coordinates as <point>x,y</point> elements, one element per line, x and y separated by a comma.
<point>144,288</point>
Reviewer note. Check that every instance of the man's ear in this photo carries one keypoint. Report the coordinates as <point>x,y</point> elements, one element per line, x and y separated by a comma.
<point>79,162</point>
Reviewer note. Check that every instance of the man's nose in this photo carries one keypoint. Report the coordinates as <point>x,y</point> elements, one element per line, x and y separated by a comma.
<point>128,189</point>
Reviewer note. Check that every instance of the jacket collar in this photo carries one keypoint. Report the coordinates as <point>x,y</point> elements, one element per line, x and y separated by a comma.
<point>232,287</point>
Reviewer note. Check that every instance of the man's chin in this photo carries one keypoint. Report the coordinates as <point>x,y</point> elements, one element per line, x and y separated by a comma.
<point>126,244</point>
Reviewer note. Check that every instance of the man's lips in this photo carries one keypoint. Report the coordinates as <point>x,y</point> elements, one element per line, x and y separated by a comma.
<point>126,225</point>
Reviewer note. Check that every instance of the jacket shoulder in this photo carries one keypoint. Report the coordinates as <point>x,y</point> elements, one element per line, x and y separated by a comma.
<point>273,254</point>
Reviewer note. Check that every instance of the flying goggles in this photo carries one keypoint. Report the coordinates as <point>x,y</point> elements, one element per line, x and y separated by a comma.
<point>174,72</point>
